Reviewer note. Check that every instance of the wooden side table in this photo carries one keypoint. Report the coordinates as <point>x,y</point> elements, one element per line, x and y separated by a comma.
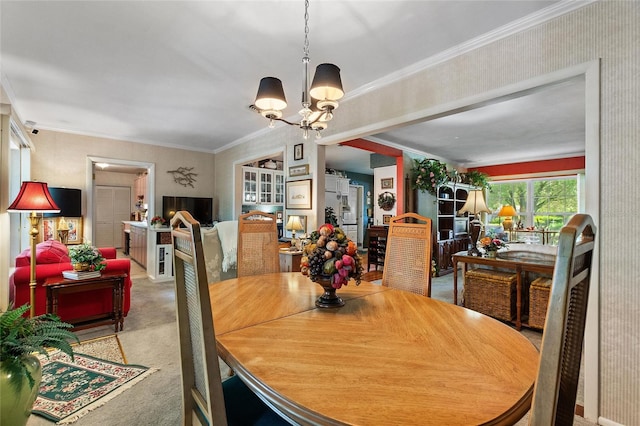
<point>59,285</point>
<point>290,260</point>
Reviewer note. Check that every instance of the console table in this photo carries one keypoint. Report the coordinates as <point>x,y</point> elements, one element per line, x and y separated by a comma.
<point>59,285</point>
<point>519,261</point>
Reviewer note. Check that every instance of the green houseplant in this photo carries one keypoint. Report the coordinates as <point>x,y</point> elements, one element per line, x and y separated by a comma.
<point>85,257</point>
<point>428,175</point>
<point>478,179</point>
<point>20,371</point>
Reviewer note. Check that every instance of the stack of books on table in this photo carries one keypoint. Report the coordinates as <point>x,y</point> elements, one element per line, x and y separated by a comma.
<point>80,275</point>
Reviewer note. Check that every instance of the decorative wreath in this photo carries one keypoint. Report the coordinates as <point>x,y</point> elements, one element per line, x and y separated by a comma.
<point>386,201</point>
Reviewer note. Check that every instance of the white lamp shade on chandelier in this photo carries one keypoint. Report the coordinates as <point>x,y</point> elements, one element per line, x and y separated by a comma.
<point>318,100</point>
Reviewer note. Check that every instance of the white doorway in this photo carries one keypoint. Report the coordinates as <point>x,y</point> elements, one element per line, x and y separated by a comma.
<point>90,224</point>
<point>113,206</point>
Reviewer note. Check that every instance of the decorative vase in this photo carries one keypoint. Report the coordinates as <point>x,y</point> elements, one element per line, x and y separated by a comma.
<point>492,254</point>
<point>81,266</point>
<point>157,225</point>
<point>15,406</point>
<point>329,298</point>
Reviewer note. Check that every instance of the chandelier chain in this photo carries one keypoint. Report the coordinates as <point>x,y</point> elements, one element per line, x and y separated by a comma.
<point>306,28</point>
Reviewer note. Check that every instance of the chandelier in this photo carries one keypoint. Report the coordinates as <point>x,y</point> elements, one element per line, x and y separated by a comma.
<point>318,100</point>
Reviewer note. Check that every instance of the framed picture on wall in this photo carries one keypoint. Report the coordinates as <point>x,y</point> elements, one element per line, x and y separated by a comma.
<point>48,229</point>
<point>299,170</point>
<point>298,151</point>
<point>75,230</point>
<point>386,183</point>
<point>299,194</point>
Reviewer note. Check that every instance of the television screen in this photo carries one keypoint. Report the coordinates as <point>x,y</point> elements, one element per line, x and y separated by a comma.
<point>68,199</point>
<point>200,208</point>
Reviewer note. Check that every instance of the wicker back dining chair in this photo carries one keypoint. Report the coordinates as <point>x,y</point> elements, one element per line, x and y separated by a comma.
<point>554,395</point>
<point>206,399</point>
<point>407,260</point>
<point>258,249</point>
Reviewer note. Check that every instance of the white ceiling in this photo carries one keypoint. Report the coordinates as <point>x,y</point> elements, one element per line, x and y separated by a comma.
<point>182,73</point>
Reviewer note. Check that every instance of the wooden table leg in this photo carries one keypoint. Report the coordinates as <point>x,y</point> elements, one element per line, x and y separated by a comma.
<point>49,301</point>
<point>518,297</point>
<point>455,281</point>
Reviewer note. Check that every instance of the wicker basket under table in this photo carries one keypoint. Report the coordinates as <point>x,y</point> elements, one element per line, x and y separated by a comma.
<point>490,292</point>
<point>538,301</point>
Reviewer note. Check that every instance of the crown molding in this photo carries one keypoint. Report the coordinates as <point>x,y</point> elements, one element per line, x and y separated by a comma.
<point>540,17</point>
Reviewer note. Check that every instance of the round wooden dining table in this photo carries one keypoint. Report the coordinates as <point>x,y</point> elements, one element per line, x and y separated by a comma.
<point>388,357</point>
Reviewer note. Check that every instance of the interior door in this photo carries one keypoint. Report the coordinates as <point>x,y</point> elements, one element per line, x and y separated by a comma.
<point>113,205</point>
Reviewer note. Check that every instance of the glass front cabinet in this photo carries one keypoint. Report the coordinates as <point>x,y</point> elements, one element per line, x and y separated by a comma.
<point>260,186</point>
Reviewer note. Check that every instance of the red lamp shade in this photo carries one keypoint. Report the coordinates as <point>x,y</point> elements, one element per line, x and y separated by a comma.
<point>34,197</point>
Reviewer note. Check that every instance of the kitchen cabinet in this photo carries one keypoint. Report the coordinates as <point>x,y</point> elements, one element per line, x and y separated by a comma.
<point>138,243</point>
<point>351,231</point>
<point>337,184</point>
<point>262,186</point>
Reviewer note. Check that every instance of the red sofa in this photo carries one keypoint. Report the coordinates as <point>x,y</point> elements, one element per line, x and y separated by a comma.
<point>51,259</point>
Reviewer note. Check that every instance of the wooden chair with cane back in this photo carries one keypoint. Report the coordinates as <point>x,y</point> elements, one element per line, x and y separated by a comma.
<point>258,249</point>
<point>407,261</point>
<point>206,399</point>
<point>554,395</point>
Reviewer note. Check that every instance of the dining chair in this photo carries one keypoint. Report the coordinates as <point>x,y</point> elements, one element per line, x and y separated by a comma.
<point>206,398</point>
<point>258,249</point>
<point>407,260</point>
<point>554,395</point>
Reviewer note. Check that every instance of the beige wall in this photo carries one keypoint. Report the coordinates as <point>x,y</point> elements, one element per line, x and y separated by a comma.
<point>607,30</point>
<point>60,159</point>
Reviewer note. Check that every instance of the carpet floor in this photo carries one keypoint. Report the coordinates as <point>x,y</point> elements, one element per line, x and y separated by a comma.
<point>150,338</point>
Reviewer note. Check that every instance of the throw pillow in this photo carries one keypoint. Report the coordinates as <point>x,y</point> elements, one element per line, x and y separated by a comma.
<point>51,251</point>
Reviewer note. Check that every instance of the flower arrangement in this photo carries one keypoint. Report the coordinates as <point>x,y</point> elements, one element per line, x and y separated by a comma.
<point>386,200</point>
<point>331,255</point>
<point>492,244</point>
<point>85,253</point>
<point>158,220</point>
<point>478,179</point>
<point>429,174</point>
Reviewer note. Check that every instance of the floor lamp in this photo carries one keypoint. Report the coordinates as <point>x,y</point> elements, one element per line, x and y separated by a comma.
<point>474,205</point>
<point>33,197</point>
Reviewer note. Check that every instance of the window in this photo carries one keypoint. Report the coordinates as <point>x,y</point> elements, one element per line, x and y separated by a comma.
<point>544,203</point>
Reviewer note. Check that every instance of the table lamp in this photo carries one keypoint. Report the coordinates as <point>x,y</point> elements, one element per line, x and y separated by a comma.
<point>294,224</point>
<point>63,230</point>
<point>474,205</point>
<point>507,212</point>
<point>33,197</point>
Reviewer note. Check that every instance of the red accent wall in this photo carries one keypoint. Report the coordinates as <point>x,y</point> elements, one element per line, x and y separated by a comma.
<point>373,147</point>
<point>544,166</point>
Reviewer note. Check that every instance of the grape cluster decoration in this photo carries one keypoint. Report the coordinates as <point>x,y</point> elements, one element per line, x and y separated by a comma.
<point>331,256</point>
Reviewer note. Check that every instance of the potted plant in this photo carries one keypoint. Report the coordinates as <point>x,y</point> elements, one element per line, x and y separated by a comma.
<point>478,179</point>
<point>428,175</point>
<point>330,216</point>
<point>157,221</point>
<point>20,371</point>
<point>85,257</point>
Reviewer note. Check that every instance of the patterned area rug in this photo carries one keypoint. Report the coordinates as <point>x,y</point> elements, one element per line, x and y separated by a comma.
<point>71,389</point>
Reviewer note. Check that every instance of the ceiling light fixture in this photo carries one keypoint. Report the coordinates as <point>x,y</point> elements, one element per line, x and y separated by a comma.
<point>318,101</point>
